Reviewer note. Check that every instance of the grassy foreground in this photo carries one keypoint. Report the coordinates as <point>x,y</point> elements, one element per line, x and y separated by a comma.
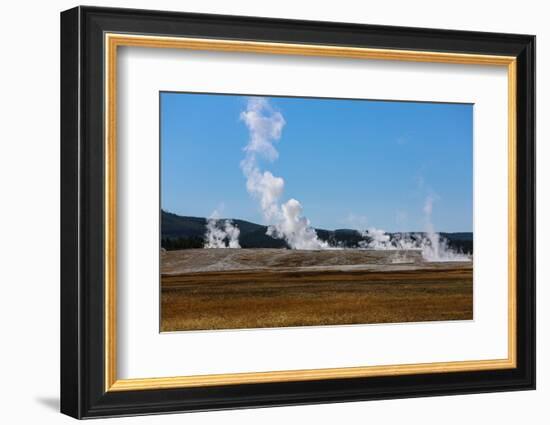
<point>237,299</point>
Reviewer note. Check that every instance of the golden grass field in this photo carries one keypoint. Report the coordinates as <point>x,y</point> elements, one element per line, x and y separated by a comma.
<point>235,289</point>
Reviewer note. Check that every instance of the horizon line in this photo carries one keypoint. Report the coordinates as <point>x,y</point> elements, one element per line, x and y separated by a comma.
<point>319,228</point>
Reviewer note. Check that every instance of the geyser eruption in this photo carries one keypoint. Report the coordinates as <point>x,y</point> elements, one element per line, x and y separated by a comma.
<point>378,239</point>
<point>295,228</point>
<point>434,248</point>
<point>265,126</point>
<point>221,233</point>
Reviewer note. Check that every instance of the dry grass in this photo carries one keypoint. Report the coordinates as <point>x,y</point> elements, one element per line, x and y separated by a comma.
<point>272,298</point>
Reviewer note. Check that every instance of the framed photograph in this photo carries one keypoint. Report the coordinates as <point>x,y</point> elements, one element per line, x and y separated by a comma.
<point>261,212</point>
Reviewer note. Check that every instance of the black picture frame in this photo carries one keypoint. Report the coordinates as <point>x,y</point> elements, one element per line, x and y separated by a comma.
<point>83,392</point>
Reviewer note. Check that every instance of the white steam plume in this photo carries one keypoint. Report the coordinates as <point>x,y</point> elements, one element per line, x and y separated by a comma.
<point>265,126</point>
<point>295,228</point>
<point>434,248</point>
<point>378,239</point>
<point>221,233</point>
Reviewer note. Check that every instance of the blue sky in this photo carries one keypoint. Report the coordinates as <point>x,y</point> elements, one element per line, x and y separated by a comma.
<point>351,163</point>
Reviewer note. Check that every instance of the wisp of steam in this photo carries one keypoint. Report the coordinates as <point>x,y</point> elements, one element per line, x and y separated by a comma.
<point>437,249</point>
<point>434,248</point>
<point>265,127</point>
<point>221,233</point>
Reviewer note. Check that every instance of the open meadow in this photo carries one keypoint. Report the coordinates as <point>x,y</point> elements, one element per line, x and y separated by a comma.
<point>207,289</point>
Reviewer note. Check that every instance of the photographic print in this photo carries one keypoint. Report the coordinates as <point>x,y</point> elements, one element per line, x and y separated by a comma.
<point>308,196</point>
<point>296,211</point>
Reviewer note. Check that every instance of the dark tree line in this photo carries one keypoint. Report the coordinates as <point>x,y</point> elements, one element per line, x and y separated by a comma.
<point>171,244</point>
<point>466,247</point>
<point>258,239</point>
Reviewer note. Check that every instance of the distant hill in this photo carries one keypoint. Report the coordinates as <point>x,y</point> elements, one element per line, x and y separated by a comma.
<point>180,227</point>
<point>180,232</point>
